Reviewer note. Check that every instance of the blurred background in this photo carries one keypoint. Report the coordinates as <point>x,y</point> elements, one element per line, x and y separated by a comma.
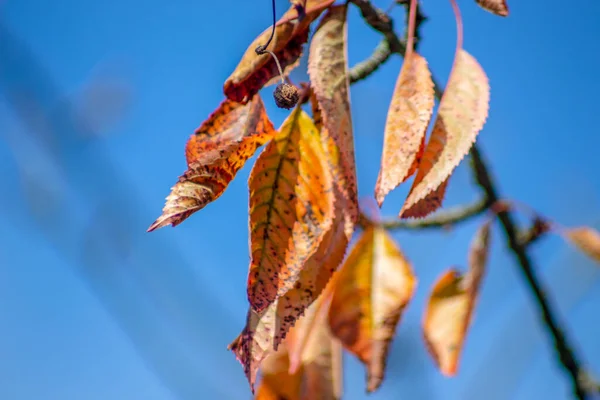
<point>97,100</point>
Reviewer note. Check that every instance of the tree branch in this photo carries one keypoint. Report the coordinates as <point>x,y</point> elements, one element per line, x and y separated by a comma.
<point>365,68</point>
<point>444,218</point>
<point>379,21</point>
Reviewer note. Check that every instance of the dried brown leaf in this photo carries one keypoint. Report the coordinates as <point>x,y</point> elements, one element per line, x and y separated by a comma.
<point>461,115</point>
<point>291,209</point>
<point>406,125</point>
<point>498,7</point>
<point>215,153</point>
<point>374,286</point>
<point>586,239</point>
<point>328,70</point>
<point>450,307</point>
<point>256,71</point>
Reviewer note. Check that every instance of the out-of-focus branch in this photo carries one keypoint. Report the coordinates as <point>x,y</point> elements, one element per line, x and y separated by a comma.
<point>445,218</point>
<point>379,21</point>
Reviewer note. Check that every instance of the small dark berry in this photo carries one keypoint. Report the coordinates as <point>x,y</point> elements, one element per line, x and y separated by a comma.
<point>286,95</point>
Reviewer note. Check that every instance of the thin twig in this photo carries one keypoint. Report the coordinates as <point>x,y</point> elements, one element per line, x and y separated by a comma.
<point>365,68</point>
<point>379,21</point>
<point>442,219</point>
<point>538,228</point>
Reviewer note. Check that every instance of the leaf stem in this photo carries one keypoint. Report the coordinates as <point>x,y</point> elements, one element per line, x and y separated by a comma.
<point>261,49</point>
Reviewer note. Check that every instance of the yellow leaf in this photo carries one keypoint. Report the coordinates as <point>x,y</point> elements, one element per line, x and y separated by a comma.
<point>291,209</point>
<point>374,286</point>
<point>498,7</point>
<point>461,115</point>
<point>450,307</point>
<point>328,70</point>
<point>255,71</point>
<point>215,153</point>
<point>406,125</point>
<point>586,239</point>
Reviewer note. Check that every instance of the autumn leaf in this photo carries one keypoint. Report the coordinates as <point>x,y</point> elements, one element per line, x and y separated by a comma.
<point>406,125</point>
<point>256,71</point>
<point>585,239</point>
<point>450,307</point>
<point>215,153</point>
<point>265,331</point>
<point>291,208</point>
<point>328,70</point>
<point>318,370</point>
<point>461,115</point>
<point>374,286</point>
<point>498,7</point>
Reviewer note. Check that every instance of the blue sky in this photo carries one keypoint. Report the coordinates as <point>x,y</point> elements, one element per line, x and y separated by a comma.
<point>149,316</point>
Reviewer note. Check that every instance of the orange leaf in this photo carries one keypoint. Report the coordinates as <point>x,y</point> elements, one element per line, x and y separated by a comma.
<point>450,307</point>
<point>406,125</point>
<point>265,331</point>
<point>586,239</point>
<point>255,71</point>
<point>215,153</point>
<point>374,286</point>
<point>328,70</point>
<point>498,7</point>
<point>462,113</point>
<point>291,209</point>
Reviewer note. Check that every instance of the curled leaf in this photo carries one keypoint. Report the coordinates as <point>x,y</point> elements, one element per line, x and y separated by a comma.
<point>328,70</point>
<point>291,209</point>
<point>498,7</point>
<point>374,286</point>
<point>215,153</point>
<point>255,71</point>
<point>406,125</point>
<point>461,115</point>
<point>450,307</point>
<point>586,239</point>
